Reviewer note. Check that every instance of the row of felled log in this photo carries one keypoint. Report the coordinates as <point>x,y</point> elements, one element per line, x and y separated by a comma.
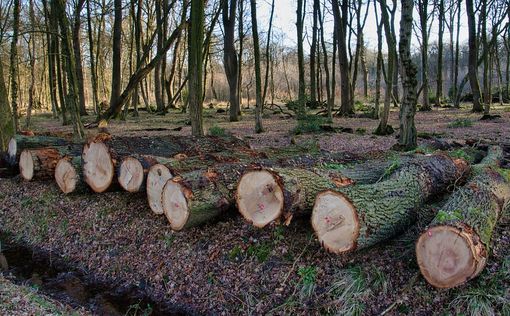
<point>192,181</point>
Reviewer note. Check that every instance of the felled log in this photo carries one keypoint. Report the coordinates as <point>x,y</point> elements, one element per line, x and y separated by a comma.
<point>360,216</point>
<point>68,174</point>
<point>455,247</point>
<point>103,154</point>
<point>38,163</point>
<point>200,196</point>
<point>157,177</point>
<point>18,143</point>
<point>266,195</point>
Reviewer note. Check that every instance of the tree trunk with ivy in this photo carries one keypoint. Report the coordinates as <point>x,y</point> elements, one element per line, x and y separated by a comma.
<point>6,119</point>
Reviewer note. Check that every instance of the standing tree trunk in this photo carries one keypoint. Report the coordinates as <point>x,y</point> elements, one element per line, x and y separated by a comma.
<point>347,101</point>
<point>301,60</point>
<point>14,63</point>
<point>77,56</point>
<point>329,89</point>
<point>116,53</point>
<point>313,51</point>
<point>230,56</point>
<point>439,74</point>
<point>93,69</point>
<point>67,51</point>
<point>195,66</point>
<point>52,77</point>
<point>31,44</point>
<point>6,120</point>
<point>424,17</point>
<point>407,138</point>
<point>258,77</point>
<point>457,53</point>
<point>473,57</point>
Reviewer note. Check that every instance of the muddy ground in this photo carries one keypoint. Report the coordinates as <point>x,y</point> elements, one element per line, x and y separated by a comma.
<point>229,267</point>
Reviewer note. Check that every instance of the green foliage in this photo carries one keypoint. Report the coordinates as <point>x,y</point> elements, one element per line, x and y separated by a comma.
<point>168,239</point>
<point>460,123</point>
<point>362,107</point>
<point>235,253</point>
<point>444,216</point>
<point>395,164</point>
<point>308,277</point>
<point>217,131</point>
<point>309,124</point>
<point>139,309</point>
<point>461,154</point>
<point>361,131</point>
<point>261,251</point>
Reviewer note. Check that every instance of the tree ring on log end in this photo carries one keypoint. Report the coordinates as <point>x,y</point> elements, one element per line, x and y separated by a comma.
<point>335,221</point>
<point>448,257</point>
<point>175,205</point>
<point>98,170</point>
<point>26,165</point>
<point>66,176</point>
<point>260,197</point>
<point>131,174</point>
<point>156,179</point>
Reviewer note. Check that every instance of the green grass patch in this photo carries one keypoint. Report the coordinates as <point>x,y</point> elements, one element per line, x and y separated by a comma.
<point>308,279</point>
<point>217,131</point>
<point>460,123</point>
<point>309,124</point>
<point>261,251</point>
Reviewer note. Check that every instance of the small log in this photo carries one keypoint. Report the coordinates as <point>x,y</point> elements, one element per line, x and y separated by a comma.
<point>18,143</point>
<point>157,177</point>
<point>38,163</point>
<point>360,216</point>
<point>68,174</point>
<point>455,247</point>
<point>200,196</point>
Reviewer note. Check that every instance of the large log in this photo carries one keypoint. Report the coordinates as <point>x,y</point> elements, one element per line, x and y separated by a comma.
<point>18,143</point>
<point>102,155</point>
<point>157,177</point>
<point>266,195</point>
<point>200,196</point>
<point>360,216</point>
<point>455,247</point>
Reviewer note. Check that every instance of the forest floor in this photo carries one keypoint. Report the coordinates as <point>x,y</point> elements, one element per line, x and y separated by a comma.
<point>229,267</point>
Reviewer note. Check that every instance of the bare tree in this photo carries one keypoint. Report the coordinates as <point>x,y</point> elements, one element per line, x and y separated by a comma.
<point>195,66</point>
<point>258,77</point>
<point>230,62</point>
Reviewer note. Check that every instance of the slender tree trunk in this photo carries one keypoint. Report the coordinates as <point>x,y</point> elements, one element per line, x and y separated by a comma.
<point>157,70</point>
<point>31,44</point>
<point>347,102</point>
<point>329,92</point>
<point>241,51</point>
<point>457,53</point>
<point>61,76</point>
<point>473,57</point>
<point>195,66</point>
<point>268,57</point>
<point>408,135</point>
<point>52,79</point>
<point>93,68</point>
<point>14,63</point>
<point>258,77</point>
<point>230,56</point>
<point>116,53</point>
<point>313,50</point>
<point>439,82</point>
<point>77,56</point>
<point>424,17</point>
<point>301,60</point>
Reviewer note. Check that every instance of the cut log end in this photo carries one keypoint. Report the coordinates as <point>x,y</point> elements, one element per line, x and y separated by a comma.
<point>26,165</point>
<point>335,222</point>
<point>12,149</point>
<point>448,256</point>
<point>260,197</point>
<point>131,175</point>
<point>98,169</point>
<point>66,176</point>
<point>175,205</point>
<point>156,179</point>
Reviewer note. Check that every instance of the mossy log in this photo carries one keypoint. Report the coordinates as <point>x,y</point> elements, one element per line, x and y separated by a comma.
<point>360,216</point>
<point>18,143</point>
<point>200,196</point>
<point>266,195</point>
<point>455,247</point>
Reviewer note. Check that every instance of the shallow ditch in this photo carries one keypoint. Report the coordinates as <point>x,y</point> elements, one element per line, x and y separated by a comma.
<point>74,287</point>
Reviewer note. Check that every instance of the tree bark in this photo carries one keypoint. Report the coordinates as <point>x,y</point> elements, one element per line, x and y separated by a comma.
<point>361,216</point>
<point>408,137</point>
<point>116,53</point>
<point>455,247</point>
<point>195,66</point>
<point>258,77</point>
<point>473,57</point>
<point>77,56</point>
<point>439,72</point>
<point>14,63</point>
<point>6,119</point>
<point>231,64</point>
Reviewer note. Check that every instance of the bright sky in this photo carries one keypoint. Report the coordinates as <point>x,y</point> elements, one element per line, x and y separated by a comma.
<point>285,19</point>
